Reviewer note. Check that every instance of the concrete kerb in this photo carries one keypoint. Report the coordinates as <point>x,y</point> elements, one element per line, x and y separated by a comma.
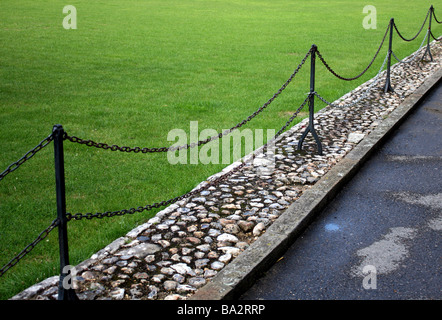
<point>240,274</point>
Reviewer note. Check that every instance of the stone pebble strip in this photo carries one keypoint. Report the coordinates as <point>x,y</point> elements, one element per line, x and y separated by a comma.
<point>185,245</point>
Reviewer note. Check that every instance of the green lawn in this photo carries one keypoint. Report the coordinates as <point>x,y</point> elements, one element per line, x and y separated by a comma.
<point>133,71</point>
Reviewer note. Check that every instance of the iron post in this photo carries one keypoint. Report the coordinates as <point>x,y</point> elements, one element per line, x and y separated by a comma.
<point>427,50</point>
<point>64,292</point>
<point>387,81</point>
<point>311,105</point>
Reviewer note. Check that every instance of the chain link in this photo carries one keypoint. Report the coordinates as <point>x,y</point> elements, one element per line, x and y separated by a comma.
<point>414,55</point>
<point>27,156</point>
<point>105,146</point>
<point>108,214</point>
<point>434,15</point>
<point>216,181</point>
<point>400,35</point>
<point>363,96</point>
<point>437,39</point>
<point>364,71</point>
<point>29,247</point>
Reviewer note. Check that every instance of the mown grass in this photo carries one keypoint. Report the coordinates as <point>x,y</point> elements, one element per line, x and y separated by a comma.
<point>133,71</point>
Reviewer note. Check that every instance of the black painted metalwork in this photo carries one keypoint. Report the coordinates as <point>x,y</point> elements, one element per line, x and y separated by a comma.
<point>311,105</point>
<point>65,292</point>
<point>388,86</point>
<point>58,135</point>
<point>427,50</point>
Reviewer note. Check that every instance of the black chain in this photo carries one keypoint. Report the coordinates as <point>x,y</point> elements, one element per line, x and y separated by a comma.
<point>434,15</point>
<point>90,143</point>
<point>100,215</point>
<point>364,71</point>
<point>294,115</point>
<point>420,30</point>
<point>29,247</point>
<point>105,146</point>
<point>27,156</point>
<point>435,37</point>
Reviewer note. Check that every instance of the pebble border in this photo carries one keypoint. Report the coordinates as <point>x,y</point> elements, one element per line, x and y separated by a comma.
<point>185,245</point>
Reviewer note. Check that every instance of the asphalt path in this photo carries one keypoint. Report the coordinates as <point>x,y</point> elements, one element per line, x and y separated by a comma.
<point>380,238</point>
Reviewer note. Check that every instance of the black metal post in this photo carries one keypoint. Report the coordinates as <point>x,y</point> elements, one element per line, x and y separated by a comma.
<point>64,292</point>
<point>387,81</point>
<point>427,50</point>
<point>311,105</point>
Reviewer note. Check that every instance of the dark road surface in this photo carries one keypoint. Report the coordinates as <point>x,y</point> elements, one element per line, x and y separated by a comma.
<point>380,238</point>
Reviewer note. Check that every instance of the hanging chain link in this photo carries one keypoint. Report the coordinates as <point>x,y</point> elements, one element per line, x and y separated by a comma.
<point>364,71</point>
<point>215,182</point>
<point>105,146</point>
<point>437,39</point>
<point>27,156</point>
<point>434,15</point>
<point>420,30</point>
<point>414,55</point>
<point>29,247</point>
<point>363,96</point>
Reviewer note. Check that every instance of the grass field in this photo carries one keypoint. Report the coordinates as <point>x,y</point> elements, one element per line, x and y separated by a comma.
<point>134,70</point>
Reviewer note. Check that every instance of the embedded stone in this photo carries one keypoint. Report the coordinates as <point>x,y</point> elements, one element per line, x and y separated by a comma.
<point>185,288</point>
<point>197,282</point>
<point>217,265</point>
<point>170,285</point>
<point>226,237</point>
<point>141,250</point>
<point>183,269</point>
<point>258,229</point>
<point>117,294</point>
<point>246,226</point>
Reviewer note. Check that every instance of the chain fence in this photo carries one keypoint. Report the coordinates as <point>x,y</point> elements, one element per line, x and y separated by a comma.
<point>215,182</point>
<point>327,66</point>
<point>418,33</point>
<point>29,247</point>
<point>313,51</point>
<point>362,96</point>
<point>432,35</point>
<point>434,16</point>
<point>15,165</point>
<point>414,55</point>
<point>114,147</point>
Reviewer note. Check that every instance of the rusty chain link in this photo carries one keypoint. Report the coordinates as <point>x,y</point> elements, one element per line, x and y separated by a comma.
<point>105,146</point>
<point>27,156</point>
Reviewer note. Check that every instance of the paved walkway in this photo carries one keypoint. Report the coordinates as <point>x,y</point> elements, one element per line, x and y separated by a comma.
<point>381,236</point>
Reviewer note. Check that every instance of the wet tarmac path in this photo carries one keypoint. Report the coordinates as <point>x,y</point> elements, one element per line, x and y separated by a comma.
<point>380,238</point>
